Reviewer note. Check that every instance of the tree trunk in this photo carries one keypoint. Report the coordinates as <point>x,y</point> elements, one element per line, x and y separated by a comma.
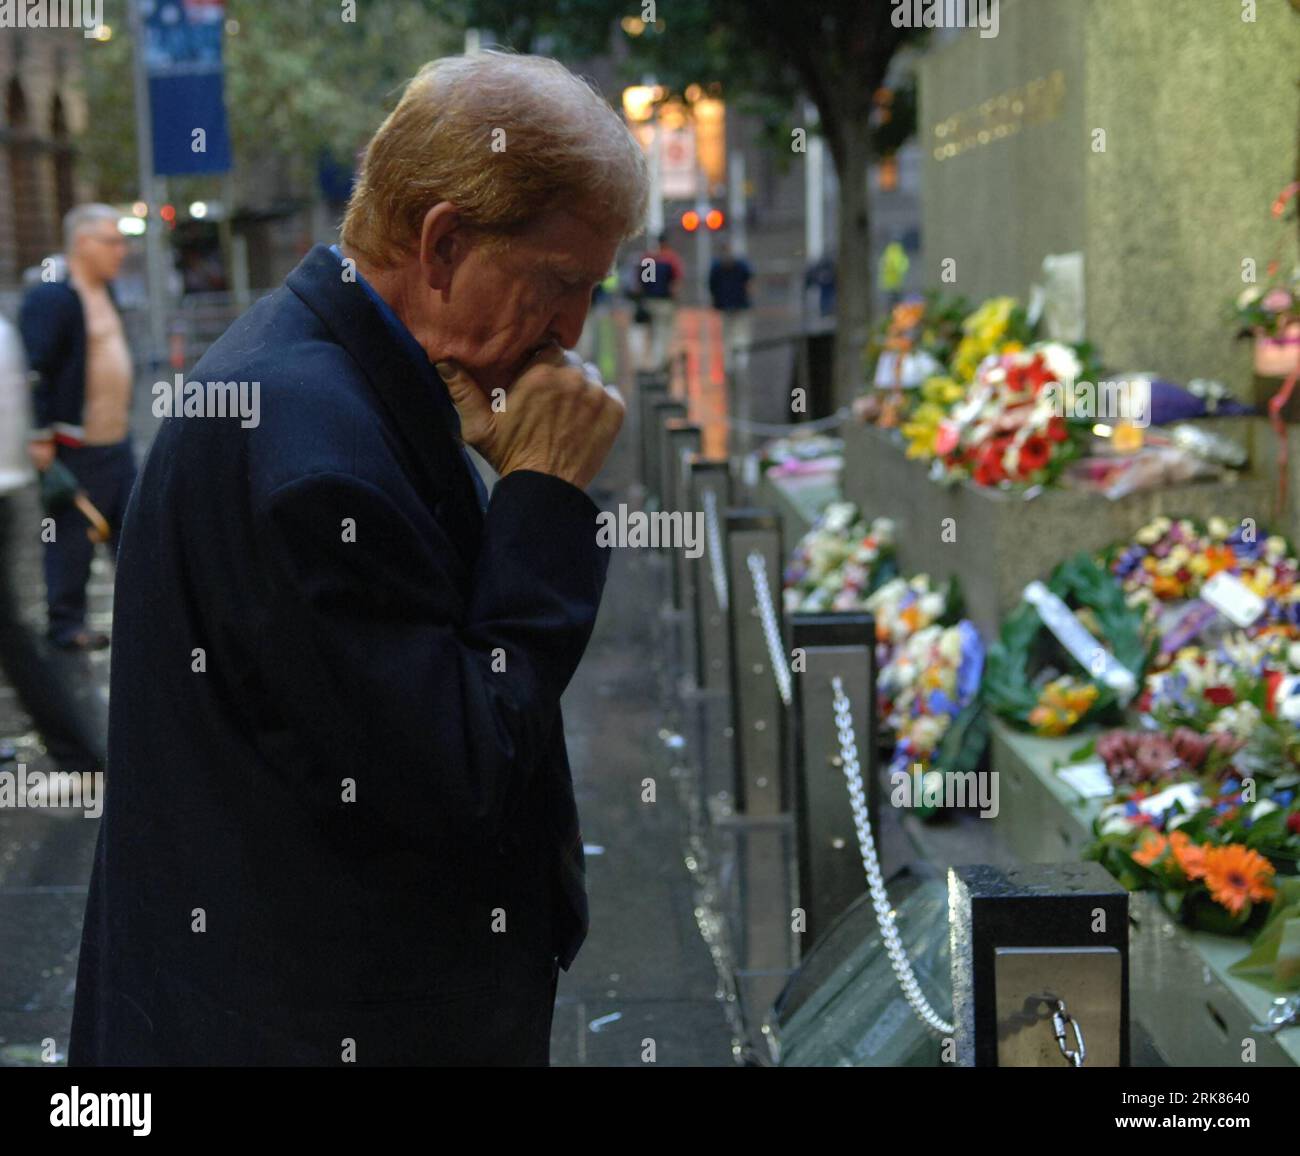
<point>854,268</point>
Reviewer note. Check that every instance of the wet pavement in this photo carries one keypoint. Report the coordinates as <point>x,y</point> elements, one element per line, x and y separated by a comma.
<point>644,973</point>
<point>46,853</point>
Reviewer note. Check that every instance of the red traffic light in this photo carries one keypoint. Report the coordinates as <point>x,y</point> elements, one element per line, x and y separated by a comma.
<point>690,220</point>
<point>714,219</point>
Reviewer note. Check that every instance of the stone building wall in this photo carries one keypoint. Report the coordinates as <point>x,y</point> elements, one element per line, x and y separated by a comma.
<point>39,71</point>
<point>1199,110</point>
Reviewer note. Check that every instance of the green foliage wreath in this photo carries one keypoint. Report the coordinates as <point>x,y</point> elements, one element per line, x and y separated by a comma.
<point>1009,687</point>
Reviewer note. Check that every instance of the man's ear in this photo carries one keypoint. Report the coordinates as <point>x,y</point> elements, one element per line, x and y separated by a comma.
<point>442,244</point>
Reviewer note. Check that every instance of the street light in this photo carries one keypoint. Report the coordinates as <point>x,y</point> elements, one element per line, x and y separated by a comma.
<point>639,101</point>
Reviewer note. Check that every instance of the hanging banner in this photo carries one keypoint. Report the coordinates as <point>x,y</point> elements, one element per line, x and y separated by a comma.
<point>187,101</point>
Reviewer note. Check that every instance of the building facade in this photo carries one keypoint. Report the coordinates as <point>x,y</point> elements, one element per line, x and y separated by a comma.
<point>44,114</point>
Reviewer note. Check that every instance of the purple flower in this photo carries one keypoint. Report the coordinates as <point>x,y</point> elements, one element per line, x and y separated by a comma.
<point>1129,561</point>
<point>972,662</point>
<point>1242,548</point>
<point>939,703</point>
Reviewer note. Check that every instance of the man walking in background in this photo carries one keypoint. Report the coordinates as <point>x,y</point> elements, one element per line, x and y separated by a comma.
<point>77,350</point>
<point>729,278</point>
<point>65,728</point>
<point>661,278</point>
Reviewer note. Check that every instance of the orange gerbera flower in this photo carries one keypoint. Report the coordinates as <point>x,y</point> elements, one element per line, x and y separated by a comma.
<point>1189,856</point>
<point>1235,874</point>
<point>1153,846</point>
<point>1166,587</point>
<point>1219,558</point>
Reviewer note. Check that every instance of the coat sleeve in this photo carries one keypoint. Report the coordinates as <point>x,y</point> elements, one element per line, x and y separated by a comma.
<point>46,320</point>
<point>438,707</point>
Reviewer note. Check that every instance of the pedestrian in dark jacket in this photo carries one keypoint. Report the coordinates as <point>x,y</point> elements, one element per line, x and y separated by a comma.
<point>729,278</point>
<point>340,824</point>
<point>77,350</point>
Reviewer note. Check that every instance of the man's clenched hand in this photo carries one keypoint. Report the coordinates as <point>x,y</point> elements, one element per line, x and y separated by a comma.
<point>556,419</point>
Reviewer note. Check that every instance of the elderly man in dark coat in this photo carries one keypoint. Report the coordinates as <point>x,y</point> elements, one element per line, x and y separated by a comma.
<point>340,824</point>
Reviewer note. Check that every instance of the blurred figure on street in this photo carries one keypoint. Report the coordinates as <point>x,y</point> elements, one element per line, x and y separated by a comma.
<point>638,331</point>
<point>597,343</point>
<point>77,350</point>
<point>819,290</point>
<point>893,272</point>
<point>729,278</point>
<point>68,734</point>
<point>661,279</point>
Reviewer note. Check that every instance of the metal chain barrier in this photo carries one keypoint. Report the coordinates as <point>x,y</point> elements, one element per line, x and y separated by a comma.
<point>771,632</point>
<point>879,898</point>
<point>1061,1017</point>
<point>717,564</point>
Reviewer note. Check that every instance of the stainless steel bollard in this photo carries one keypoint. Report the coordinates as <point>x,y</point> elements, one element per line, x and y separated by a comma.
<point>709,491</point>
<point>757,713</point>
<point>650,388</point>
<point>830,864</point>
<point>763,894</point>
<point>680,438</point>
<point>662,411</point>
<point>1040,966</point>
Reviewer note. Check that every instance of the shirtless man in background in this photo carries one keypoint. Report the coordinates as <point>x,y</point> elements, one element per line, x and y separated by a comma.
<point>82,376</point>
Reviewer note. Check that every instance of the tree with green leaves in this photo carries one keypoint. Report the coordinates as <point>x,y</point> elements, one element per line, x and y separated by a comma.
<point>304,78</point>
<point>765,55</point>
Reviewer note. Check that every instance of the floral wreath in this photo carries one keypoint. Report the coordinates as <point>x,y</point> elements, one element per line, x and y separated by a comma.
<point>1073,699</point>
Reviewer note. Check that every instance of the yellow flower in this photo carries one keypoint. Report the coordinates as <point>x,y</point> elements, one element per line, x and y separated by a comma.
<point>942,391</point>
<point>984,333</point>
<point>1061,704</point>
<point>1082,698</point>
<point>1049,723</point>
<point>1261,580</point>
<point>922,429</point>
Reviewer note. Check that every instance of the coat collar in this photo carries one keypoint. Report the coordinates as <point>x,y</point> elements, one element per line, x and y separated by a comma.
<point>417,401</point>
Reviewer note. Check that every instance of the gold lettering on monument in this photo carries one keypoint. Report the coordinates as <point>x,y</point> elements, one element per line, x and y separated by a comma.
<point>1000,116</point>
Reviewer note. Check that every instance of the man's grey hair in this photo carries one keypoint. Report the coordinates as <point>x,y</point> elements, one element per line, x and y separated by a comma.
<point>82,217</point>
